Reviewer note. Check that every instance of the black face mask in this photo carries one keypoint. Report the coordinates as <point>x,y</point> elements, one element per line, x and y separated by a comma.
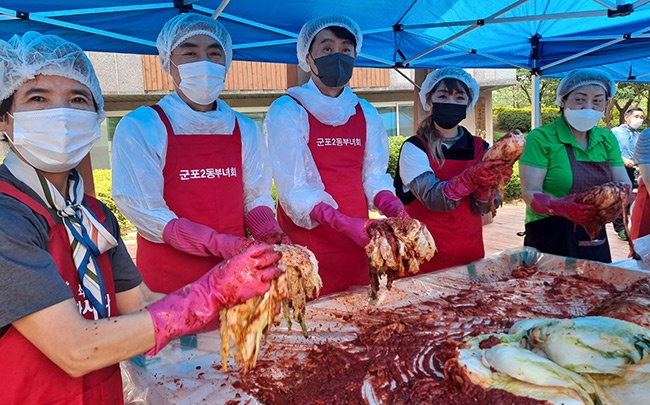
<point>335,69</point>
<point>448,115</point>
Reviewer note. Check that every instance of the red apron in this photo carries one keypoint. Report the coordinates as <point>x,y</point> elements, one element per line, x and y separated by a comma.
<point>27,375</point>
<point>203,183</point>
<point>338,154</point>
<point>458,233</point>
<point>641,213</point>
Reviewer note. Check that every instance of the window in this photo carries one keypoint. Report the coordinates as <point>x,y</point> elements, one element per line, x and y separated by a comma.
<point>389,117</point>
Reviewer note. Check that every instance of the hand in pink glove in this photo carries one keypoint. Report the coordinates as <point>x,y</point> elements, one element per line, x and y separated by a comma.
<point>390,205</point>
<point>264,227</point>
<point>565,207</point>
<point>201,240</point>
<point>354,228</point>
<point>481,174</point>
<point>229,283</point>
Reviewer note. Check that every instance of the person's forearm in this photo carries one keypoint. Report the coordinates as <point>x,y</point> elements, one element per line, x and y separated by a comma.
<point>429,191</point>
<point>79,346</point>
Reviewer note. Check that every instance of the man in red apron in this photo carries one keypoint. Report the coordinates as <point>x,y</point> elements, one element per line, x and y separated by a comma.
<point>329,153</point>
<point>73,303</point>
<point>178,167</point>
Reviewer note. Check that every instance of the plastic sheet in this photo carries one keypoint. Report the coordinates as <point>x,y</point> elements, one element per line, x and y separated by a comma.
<point>188,371</point>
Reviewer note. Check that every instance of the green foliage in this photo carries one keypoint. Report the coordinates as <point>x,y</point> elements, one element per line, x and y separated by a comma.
<point>102,178</point>
<point>508,119</point>
<point>512,189</point>
<point>394,145</point>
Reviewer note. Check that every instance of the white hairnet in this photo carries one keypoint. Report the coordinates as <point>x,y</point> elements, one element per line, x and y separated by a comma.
<point>23,58</point>
<point>585,77</point>
<point>184,26</point>
<point>436,76</point>
<point>313,27</point>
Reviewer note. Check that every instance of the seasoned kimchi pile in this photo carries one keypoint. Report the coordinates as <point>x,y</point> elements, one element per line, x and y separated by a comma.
<point>507,149</point>
<point>398,356</point>
<point>244,325</point>
<point>397,247</point>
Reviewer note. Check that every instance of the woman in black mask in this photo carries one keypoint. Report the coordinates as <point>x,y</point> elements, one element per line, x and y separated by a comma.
<point>440,177</point>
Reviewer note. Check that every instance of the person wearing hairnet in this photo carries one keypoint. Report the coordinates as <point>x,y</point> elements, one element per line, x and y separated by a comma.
<point>189,172</point>
<point>72,304</point>
<point>565,158</point>
<point>329,152</point>
<point>440,177</point>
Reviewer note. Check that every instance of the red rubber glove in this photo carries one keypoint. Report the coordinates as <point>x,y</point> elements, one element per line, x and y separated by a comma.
<point>481,174</point>
<point>354,228</point>
<point>201,240</point>
<point>264,227</point>
<point>564,207</point>
<point>229,283</point>
<point>390,205</point>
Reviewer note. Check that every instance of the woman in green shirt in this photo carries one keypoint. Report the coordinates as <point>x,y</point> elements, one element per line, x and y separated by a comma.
<point>566,157</point>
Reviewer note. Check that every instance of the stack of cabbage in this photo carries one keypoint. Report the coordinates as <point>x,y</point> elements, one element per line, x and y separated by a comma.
<point>590,360</point>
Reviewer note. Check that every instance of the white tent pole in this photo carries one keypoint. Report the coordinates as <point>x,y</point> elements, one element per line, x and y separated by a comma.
<point>536,113</point>
<point>219,9</point>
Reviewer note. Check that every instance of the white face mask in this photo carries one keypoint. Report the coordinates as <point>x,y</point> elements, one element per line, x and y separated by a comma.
<point>55,140</point>
<point>583,120</point>
<point>635,123</point>
<point>202,81</point>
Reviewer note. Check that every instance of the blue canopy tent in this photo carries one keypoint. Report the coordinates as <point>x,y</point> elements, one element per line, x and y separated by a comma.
<point>546,37</point>
<point>543,36</point>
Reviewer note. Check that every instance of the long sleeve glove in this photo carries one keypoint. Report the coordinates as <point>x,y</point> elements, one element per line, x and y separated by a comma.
<point>390,205</point>
<point>264,227</point>
<point>201,240</point>
<point>354,228</point>
<point>229,283</point>
<point>564,207</point>
<point>481,174</point>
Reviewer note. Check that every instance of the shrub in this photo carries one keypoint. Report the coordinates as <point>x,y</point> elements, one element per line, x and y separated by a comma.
<point>508,119</point>
<point>394,145</point>
<point>512,189</point>
<point>102,178</point>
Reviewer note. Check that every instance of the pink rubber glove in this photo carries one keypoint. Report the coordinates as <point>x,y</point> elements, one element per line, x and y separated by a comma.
<point>201,240</point>
<point>390,205</point>
<point>264,227</point>
<point>564,207</point>
<point>481,174</point>
<point>354,228</point>
<point>229,283</point>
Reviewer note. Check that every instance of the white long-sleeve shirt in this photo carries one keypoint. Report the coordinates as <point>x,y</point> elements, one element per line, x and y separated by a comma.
<point>297,180</point>
<point>140,149</point>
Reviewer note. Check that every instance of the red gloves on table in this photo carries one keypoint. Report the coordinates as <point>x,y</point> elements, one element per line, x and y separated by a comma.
<point>390,205</point>
<point>354,228</point>
<point>264,227</point>
<point>481,174</point>
<point>229,283</point>
<point>201,240</point>
<point>564,207</point>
